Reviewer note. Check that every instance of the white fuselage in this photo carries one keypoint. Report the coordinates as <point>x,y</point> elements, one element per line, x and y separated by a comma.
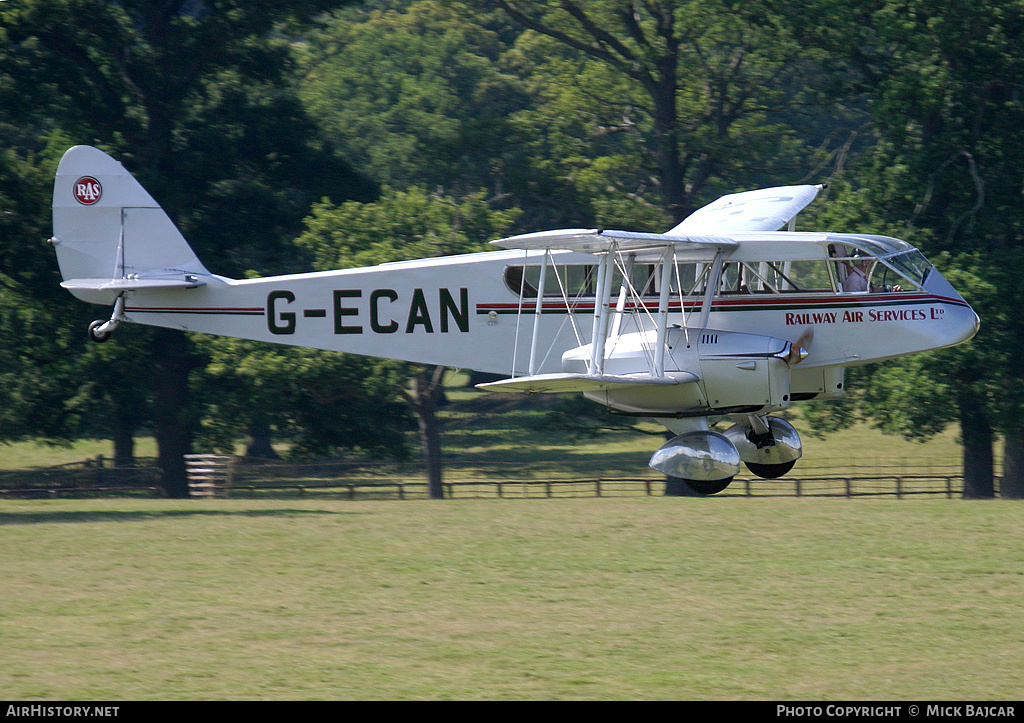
<point>459,312</point>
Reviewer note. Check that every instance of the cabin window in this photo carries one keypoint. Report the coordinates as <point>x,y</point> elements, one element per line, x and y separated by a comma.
<point>573,281</point>
<point>579,280</point>
<point>777,277</point>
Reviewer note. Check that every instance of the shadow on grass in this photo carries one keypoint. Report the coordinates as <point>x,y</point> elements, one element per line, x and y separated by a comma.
<point>44,516</point>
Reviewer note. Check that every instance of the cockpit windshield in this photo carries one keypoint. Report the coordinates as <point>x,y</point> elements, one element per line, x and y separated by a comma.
<point>910,264</point>
<point>878,263</point>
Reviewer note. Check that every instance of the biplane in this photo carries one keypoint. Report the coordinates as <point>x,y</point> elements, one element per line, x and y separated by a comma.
<point>724,321</point>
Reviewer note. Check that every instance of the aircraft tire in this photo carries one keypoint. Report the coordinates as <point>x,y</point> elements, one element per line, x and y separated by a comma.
<point>98,336</point>
<point>770,471</point>
<point>712,487</point>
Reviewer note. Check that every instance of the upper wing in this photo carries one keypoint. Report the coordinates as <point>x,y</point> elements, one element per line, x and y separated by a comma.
<point>595,241</point>
<point>701,235</point>
<point>766,209</point>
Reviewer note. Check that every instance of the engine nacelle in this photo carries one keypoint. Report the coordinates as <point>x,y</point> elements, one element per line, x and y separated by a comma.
<point>743,370</point>
<point>737,372</point>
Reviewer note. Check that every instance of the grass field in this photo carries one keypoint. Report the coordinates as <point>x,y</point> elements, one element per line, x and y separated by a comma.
<point>472,436</point>
<point>649,598</point>
<point>612,598</point>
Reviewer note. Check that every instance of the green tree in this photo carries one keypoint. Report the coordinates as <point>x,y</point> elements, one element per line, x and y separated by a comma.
<point>53,384</point>
<point>682,99</point>
<point>406,225</point>
<point>449,94</point>
<point>39,356</point>
<point>191,96</point>
<point>413,92</point>
<point>945,94</point>
<point>321,401</point>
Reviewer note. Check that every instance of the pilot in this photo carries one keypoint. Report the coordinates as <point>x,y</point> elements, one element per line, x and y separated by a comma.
<point>857,276</point>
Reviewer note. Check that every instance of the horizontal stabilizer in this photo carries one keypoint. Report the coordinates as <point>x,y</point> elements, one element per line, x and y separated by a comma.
<point>565,383</point>
<point>130,284</point>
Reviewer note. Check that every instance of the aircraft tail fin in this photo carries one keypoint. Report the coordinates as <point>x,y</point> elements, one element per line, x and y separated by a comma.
<point>110,235</point>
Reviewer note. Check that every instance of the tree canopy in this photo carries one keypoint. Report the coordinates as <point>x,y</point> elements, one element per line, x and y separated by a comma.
<point>335,134</point>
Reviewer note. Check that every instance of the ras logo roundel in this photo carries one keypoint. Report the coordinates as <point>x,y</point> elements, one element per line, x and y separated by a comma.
<point>87,190</point>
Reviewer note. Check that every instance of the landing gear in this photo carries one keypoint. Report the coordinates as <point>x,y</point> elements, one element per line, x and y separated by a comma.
<point>770,471</point>
<point>94,331</point>
<point>100,330</point>
<point>708,488</point>
<point>703,460</point>
<point>706,461</point>
<point>768,446</point>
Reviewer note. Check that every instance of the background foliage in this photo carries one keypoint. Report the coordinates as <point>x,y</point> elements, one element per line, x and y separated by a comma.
<point>328,134</point>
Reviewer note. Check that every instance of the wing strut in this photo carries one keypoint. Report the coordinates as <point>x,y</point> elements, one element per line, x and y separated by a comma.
<point>601,299</point>
<point>538,309</point>
<point>714,276</point>
<point>668,264</point>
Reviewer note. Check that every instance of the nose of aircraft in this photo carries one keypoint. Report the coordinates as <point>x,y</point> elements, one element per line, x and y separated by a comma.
<point>972,325</point>
<point>965,321</point>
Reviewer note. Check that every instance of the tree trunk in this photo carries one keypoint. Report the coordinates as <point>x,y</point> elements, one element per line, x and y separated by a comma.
<point>976,432</point>
<point>425,394</point>
<point>674,198</point>
<point>1011,487</point>
<point>978,465</point>
<point>260,443</point>
<point>123,435</point>
<point>431,439</point>
<point>171,367</point>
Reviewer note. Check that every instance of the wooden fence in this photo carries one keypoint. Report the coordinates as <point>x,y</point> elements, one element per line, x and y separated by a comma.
<point>884,486</point>
<point>372,480</point>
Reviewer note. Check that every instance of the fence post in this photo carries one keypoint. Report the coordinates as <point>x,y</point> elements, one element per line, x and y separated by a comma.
<point>899,487</point>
